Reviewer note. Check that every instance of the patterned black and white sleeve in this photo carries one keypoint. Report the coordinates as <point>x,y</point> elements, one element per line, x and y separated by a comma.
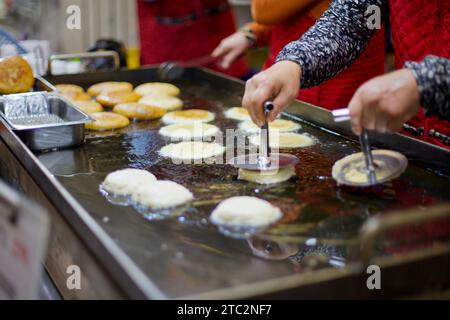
<point>335,41</point>
<point>433,79</point>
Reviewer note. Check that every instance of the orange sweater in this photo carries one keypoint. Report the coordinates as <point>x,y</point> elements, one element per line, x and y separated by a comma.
<point>269,12</point>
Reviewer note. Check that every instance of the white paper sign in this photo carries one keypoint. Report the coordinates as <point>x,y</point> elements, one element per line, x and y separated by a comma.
<point>24,229</point>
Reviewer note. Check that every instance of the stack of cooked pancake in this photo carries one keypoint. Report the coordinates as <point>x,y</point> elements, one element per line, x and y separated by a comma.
<point>148,101</point>
<point>16,76</point>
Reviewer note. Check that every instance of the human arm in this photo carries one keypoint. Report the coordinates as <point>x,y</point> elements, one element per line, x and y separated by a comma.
<point>235,45</point>
<point>385,103</point>
<point>331,45</point>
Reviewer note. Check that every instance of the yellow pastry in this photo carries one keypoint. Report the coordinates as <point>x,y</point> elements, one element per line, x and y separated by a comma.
<point>188,116</point>
<point>107,121</point>
<point>189,131</point>
<point>112,98</point>
<point>88,106</point>
<point>285,140</point>
<point>279,125</point>
<point>109,86</point>
<point>238,113</point>
<point>139,111</point>
<point>16,75</point>
<point>69,88</point>
<point>76,96</point>
<point>157,88</point>
<point>166,102</point>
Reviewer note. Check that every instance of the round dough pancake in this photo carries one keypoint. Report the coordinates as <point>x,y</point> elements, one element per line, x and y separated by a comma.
<point>268,177</point>
<point>112,98</point>
<point>189,131</point>
<point>157,88</point>
<point>245,211</point>
<point>16,75</point>
<point>107,121</point>
<point>109,86</point>
<point>88,107</point>
<point>192,150</point>
<point>285,140</point>
<point>188,116</point>
<point>237,113</point>
<point>69,88</point>
<point>139,111</point>
<point>166,102</point>
<point>162,195</point>
<point>279,125</point>
<point>125,182</point>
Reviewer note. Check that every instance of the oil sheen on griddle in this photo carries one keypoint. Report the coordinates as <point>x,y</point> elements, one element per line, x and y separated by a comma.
<point>312,203</point>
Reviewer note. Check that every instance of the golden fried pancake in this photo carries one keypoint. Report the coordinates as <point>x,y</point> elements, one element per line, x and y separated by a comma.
<point>237,113</point>
<point>157,88</point>
<point>189,131</point>
<point>69,88</point>
<point>139,111</point>
<point>16,76</point>
<point>166,102</point>
<point>285,140</point>
<point>279,125</point>
<point>110,86</point>
<point>88,107</point>
<point>107,121</point>
<point>188,116</point>
<point>112,98</point>
<point>76,96</point>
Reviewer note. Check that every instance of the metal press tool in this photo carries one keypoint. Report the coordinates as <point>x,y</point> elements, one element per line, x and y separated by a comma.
<point>394,163</point>
<point>264,160</point>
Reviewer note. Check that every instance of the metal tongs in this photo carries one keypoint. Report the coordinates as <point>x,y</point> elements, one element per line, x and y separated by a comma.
<point>172,70</point>
<point>264,161</point>
<point>342,115</point>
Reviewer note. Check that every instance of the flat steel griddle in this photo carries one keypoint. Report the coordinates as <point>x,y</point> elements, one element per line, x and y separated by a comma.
<point>188,257</point>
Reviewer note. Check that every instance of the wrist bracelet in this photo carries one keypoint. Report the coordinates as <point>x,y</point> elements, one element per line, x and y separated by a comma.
<point>249,35</point>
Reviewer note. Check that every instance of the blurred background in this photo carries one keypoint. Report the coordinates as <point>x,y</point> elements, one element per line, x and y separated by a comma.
<point>114,19</point>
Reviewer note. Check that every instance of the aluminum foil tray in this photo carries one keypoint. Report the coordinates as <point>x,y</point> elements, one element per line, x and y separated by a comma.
<point>44,121</point>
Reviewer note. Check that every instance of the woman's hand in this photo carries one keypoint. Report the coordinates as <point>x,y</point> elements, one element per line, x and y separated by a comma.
<point>231,48</point>
<point>385,103</point>
<point>280,82</point>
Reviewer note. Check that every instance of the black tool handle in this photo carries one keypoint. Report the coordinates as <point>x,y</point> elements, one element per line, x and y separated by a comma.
<point>268,107</point>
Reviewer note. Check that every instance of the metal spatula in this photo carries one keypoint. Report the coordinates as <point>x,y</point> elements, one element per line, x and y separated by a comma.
<point>264,160</point>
